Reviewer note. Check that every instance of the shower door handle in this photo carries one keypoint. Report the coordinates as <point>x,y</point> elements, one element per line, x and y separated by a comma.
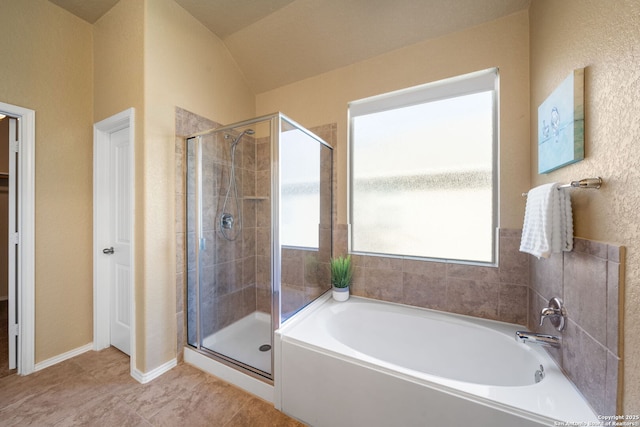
<point>108,251</point>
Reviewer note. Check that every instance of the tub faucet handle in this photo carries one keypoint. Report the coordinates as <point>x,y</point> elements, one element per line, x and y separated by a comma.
<point>555,312</point>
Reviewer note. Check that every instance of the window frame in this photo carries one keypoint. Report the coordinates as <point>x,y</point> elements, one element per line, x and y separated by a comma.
<point>467,84</point>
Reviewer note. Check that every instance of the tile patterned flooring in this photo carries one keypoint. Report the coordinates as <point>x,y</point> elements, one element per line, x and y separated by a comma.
<point>4,341</point>
<point>95,389</point>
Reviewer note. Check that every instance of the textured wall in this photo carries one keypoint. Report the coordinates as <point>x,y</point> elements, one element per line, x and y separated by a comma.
<point>603,38</point>
<point>47,67</point>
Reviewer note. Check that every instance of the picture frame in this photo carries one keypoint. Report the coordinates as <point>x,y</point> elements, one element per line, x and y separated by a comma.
<point>561,125</point>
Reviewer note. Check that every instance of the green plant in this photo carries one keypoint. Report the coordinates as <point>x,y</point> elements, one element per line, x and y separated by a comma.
<point>341,272</point>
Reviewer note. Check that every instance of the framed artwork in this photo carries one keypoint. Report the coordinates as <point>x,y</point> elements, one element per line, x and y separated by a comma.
<point>561,125</point>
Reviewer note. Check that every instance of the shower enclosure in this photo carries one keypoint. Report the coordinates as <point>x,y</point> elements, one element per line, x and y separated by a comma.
<point>258,235</point>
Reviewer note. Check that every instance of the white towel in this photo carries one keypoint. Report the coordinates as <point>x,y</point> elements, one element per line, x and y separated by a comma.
<point>548,222</point>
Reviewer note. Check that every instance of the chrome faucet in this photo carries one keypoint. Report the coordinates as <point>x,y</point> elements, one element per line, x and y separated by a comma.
<point>540,339</point>
<point>555,312</point>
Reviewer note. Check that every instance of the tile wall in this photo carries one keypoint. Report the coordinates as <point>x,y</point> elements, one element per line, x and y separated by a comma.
<point>498,293</point>
<point>590,282</point>
<point>228,267</point>
<point>228,289</point>
<point>187,123</point>
<point>263,224</point>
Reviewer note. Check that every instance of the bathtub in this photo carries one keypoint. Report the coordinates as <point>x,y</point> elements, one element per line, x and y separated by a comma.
<point>365,362</point>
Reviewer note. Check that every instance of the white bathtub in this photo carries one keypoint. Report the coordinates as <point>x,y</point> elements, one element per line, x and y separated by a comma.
<point>364,362</point>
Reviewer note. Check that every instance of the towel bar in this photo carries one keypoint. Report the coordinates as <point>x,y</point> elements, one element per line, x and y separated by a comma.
<point>583,183</point>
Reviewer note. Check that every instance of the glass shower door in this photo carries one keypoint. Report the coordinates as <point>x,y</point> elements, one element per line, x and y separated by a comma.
<point>305,217</point>
<point>258,235</point>
<point>228,240</point>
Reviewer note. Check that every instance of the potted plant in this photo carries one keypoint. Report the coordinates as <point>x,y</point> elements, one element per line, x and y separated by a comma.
<point>341,277</point>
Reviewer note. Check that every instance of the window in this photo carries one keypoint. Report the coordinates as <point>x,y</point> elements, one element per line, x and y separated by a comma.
<point>423,170</point>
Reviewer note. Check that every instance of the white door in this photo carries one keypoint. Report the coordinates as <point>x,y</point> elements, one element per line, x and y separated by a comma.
<point>119,247</point>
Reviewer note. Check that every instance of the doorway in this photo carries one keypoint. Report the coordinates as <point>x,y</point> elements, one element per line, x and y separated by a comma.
<point>114,314</point>
<point>7,337</point>
<point>19,177</point>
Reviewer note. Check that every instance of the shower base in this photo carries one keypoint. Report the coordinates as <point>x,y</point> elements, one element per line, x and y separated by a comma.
<point>243,340</point>
<point>240,340</point>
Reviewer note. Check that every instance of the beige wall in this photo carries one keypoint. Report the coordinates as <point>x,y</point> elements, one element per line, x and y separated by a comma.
<point>604,38</point>
<point>154,56</point>
<point>47,67</point>
<point>188,66</point>
<point>503,43</point>
<point>118,52</point>
<point>149,55</point>
<point>185,66</point>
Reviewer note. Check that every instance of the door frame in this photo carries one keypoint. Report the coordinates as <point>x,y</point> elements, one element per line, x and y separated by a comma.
<point>101,299</point>
<point>25,269</point>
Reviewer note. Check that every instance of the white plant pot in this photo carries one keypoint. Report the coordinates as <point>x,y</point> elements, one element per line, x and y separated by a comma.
<point>340,294</point>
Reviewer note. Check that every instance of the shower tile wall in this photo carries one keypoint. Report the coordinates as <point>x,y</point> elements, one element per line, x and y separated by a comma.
<point>228,288</point>
<point>187,123</point>
<point>227,285</point>
<point>589,280</point>
<point>261,207</point>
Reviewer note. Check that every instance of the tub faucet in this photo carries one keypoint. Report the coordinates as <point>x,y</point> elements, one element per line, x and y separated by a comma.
<point>555,312</point>
<point>540,339</point>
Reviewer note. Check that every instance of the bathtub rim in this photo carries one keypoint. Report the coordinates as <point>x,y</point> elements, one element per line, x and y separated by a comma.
<point>555,376</point>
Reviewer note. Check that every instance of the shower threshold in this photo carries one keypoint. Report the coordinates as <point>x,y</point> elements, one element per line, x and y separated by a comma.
<point>245,341</point>
<point>248,383</point>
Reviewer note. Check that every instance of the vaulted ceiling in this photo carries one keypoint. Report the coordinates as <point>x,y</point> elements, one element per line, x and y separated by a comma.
<point>276,42</point>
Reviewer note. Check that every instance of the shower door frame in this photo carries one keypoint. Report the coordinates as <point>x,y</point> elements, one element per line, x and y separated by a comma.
<point>276,250</point>
<point>275,128</point>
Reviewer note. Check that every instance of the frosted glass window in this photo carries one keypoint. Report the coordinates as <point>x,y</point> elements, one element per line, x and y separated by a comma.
<point>422,171</point>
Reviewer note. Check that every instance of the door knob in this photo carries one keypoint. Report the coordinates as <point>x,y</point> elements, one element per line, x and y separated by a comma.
<point>108,251</point>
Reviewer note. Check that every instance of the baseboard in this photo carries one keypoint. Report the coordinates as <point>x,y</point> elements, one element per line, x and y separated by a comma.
<point>62,357</point>
<point>145,377</point>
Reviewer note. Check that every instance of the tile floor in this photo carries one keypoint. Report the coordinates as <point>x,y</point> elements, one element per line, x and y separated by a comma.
<point>95,389</point>
<point>4,341</point>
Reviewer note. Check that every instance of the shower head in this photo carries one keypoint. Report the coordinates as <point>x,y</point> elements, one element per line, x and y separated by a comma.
<point>237,140</point>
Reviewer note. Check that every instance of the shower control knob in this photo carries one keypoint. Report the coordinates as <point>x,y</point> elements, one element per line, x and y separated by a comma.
<point>108,251</point>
